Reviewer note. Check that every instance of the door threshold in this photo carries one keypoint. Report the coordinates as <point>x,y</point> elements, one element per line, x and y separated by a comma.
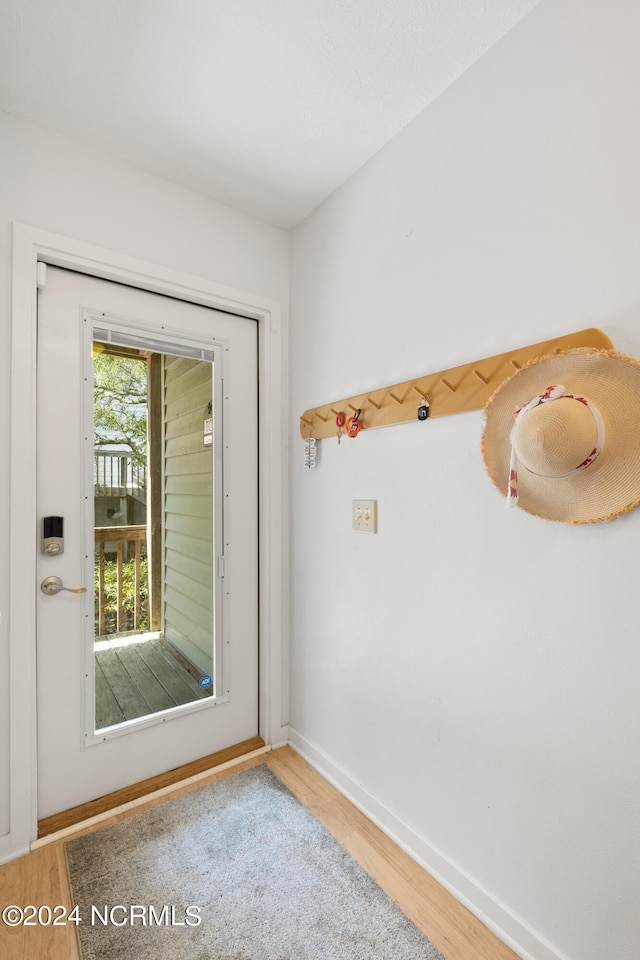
<point>50,828</point>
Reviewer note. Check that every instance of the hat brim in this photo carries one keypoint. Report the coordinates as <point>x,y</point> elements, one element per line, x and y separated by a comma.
<point>611,484</point>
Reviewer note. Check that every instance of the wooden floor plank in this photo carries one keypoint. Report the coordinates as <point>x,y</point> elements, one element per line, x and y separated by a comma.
<point>108,711</point>
<point>40,877</point>
<point>178,688</point>
<point>304,782</point>
<point>153,692</point>
<point>173,658</point>
<point>126,693</point>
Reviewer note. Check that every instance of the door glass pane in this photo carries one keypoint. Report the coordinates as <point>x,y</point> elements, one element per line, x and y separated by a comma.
<point>154,532</point>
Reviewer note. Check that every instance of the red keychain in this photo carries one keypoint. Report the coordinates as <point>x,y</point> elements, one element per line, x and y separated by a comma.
<point>354,425</point>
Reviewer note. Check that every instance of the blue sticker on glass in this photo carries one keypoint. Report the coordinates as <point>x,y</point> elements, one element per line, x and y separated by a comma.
<point>205,681</point>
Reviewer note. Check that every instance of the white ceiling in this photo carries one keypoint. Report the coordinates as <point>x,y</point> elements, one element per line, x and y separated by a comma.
<point>266,105</point>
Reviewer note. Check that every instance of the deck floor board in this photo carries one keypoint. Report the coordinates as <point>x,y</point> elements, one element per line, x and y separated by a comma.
<point>140,679</point>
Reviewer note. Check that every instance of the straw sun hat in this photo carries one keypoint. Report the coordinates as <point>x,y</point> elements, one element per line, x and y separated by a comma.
<point>562,436</point>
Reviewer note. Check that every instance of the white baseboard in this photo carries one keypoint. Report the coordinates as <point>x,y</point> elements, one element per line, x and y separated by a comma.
<point>495,915</point>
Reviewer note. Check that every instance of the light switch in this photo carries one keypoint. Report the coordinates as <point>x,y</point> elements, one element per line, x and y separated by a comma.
<point>365,515</point>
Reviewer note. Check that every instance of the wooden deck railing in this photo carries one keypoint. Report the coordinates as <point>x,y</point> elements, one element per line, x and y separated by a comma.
<point>136,535</point>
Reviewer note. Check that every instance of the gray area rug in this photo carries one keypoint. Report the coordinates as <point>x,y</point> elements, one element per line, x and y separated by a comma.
<point>236,870</point>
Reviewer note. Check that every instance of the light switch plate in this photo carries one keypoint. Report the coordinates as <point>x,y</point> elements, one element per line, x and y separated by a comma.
<point>365,515</point>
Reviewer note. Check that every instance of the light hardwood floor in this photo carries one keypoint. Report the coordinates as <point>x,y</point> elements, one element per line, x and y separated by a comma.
<point>41,876</point>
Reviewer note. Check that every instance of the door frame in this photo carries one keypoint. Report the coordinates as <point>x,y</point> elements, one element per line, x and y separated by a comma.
<point>30,246</point>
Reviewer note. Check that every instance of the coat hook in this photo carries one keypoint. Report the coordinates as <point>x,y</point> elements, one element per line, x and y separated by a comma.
<point>480,377</point>
<point>334,411</point>
<point>447,385</point>
<point>351,407</point>
<point>421,393</point>
<point>373,403</point>
<point>514,363</point>
<point>309,423</point>
<point>318,414</point>
<point>393,397</point>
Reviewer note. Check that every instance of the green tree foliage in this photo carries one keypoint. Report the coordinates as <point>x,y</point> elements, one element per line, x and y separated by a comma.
<point>110,604</point>
<point>120,403</point>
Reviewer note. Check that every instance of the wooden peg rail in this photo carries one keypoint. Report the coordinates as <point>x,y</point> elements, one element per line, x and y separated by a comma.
<point>457,390</point>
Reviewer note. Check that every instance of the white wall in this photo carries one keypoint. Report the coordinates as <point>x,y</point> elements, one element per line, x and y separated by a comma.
<point>52,183</point>
<point>473,673</point>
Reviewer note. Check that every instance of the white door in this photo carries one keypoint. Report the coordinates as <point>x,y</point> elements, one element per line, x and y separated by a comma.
<point>179,519</point>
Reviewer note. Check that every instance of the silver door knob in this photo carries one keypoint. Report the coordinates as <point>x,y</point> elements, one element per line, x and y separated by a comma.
<point>53,585</point>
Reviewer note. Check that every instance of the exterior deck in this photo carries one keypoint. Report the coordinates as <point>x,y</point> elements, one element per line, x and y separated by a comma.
<point>139,678</point>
